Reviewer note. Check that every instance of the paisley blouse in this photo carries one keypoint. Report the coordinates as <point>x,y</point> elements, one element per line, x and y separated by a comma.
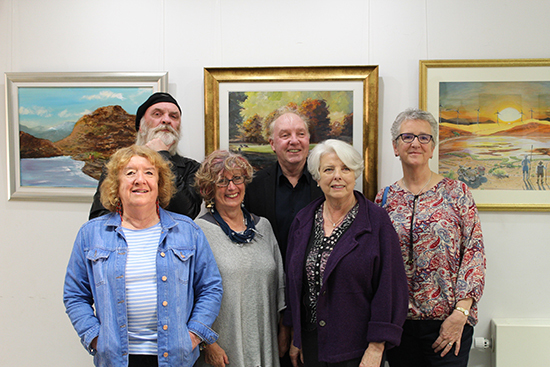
<point>448,256</point>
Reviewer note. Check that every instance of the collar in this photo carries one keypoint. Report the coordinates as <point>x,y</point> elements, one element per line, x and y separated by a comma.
<point>306,176</point>
<point>305,217</point>
<point>166,220</point>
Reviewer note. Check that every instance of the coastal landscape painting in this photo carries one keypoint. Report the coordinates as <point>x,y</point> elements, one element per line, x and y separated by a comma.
<point>494,128</point>
<point>495,135</point>
<point>64,128</point>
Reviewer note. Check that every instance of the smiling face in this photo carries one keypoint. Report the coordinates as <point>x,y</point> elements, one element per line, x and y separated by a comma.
<point>290,140</point>
<point>336,180</point>
<point>138,184</point>
<point>414,153</point>
<point>231,196</point>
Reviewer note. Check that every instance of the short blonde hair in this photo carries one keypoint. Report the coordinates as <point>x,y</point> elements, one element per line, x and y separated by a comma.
<point>214,166</point>
<point>110,186</point>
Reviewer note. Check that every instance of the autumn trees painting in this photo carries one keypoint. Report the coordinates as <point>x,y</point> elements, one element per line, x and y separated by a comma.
<point>329,113</point>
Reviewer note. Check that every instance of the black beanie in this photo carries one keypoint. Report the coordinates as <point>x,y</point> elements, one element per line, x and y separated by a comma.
<point>154,99</point>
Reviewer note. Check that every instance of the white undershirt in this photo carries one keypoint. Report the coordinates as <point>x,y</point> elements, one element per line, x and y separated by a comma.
<point>141,289</point>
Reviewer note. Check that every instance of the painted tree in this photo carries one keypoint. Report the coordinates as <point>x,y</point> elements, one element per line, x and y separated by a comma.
<point>252,130</point>
<point>317,113</point>
<point>236,100</point>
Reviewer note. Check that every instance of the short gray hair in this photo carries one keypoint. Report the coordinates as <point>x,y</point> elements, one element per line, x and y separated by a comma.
<point>347,154</point>
<point>414,114</point>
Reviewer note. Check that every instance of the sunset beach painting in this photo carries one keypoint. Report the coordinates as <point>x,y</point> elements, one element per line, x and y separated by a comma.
<point>495,135</point>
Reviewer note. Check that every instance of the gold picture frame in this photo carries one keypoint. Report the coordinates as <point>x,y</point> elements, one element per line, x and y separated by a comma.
<point>362,81</point>
<point>494,116</point>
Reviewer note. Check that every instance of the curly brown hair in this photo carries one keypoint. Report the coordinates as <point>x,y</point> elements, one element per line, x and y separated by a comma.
<point>110,186</point>
<point>214,166</point>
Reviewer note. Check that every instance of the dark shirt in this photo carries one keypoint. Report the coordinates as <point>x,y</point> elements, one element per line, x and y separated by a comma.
<point>289,201</point>
<point>186,201</point>
<point>262,198</point>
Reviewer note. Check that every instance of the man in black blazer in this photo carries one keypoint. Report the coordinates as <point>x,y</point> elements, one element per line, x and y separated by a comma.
<point>280,191</point>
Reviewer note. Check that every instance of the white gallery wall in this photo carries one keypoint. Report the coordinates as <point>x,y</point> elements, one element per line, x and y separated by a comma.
<point>184,36</point>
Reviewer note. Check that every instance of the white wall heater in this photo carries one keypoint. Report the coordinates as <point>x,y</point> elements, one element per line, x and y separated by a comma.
<point>520,342</point>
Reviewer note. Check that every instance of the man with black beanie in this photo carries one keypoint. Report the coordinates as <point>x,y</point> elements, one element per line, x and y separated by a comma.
<point>158,122</point>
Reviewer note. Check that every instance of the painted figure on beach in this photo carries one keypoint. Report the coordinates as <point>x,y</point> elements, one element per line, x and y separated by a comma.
<point>525,167</point>
<point>540,172</point>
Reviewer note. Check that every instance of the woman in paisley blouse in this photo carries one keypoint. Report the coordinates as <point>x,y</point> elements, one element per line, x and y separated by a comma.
<point>442,248</point>
<point>346,285</point>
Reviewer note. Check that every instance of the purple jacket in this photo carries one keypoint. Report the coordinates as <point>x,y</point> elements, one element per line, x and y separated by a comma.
<point>364,293</point>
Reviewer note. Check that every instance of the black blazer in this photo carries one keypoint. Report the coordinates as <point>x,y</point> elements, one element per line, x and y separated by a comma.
<point>260,197</point>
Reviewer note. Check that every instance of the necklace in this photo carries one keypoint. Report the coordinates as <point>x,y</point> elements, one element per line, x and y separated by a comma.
<point>423,187</point>
<point>329,217</point>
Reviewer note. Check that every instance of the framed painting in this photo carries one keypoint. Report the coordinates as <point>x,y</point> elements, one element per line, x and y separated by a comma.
<point>63,127</point>
<point>494,128</point>
<point>341,102</point>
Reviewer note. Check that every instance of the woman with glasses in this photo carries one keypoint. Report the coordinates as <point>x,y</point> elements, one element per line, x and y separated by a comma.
<point>442,248</point>
<point>250,264</point>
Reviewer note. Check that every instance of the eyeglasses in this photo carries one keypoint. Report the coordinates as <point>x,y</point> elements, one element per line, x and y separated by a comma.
<point>409,138</point>
<point>224,182</point>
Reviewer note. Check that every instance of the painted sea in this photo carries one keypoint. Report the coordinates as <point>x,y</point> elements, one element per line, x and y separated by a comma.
<point>55,172</point>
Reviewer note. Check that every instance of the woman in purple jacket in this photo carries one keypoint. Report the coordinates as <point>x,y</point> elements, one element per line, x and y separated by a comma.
<point>346,284</point>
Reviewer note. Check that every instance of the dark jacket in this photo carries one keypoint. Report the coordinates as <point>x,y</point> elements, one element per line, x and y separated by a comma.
<point>186,201</point>
<point>364,294</point>
<point>260,198</point>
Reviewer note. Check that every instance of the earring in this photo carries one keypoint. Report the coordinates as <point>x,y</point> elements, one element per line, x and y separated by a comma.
<point>210,205</point>
<point>158,206</point>
<point>119,207</point>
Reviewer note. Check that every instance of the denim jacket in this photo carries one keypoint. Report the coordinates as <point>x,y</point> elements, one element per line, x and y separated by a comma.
<point>189,290</point>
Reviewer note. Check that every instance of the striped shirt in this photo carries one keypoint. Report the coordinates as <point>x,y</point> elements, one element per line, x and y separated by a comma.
<point>141,289</point>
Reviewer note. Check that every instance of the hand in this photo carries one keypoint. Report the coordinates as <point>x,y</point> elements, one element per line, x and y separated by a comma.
<point>450,334</point>
<point>215,355</point>
<point>284,339</point>
<point>93,344</point>
<point>157,145</point>
<point>373,355</point>
<point>296,356</point>
<point>195,340</point>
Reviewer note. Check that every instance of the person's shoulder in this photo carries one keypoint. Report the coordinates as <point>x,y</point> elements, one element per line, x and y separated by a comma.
<point>266,172</point>
<point>262,222</point>
<point>99,223</point>
<point>450,184</point>
<point>205,220</point>
<point>261,178</point>
<point>182,161</point>
<point>181,219</point>
<point>101,220</point>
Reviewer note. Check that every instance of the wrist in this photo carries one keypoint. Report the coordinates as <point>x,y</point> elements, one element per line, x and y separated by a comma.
<point>464,311</point>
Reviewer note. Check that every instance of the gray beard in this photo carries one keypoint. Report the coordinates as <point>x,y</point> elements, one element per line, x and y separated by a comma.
<point>170,138</point>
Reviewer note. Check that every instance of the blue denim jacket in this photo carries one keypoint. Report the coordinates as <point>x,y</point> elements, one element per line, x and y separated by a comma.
<point>189,290</point>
